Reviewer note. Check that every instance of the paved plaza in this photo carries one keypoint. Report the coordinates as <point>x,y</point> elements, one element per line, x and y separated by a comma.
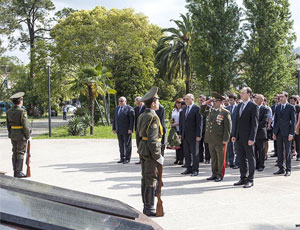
<point>190,203</point>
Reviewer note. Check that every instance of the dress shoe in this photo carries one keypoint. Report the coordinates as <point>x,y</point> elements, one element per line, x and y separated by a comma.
<point>180,162</point>
<point>235,167</point>
<point>195,173</point>
<point>260,169</point>
<point>188,171</point>
<point>218,179</point>
<point>276,165</point>
<point>176,162</point>
<point>287,173</point>
<point>121,161</point>
<point>211,177</point>
<point>137,163</point>
<point>126,161</point>
<point>231,166</point>
<point>280,171</point>
<point>207,162</point>
<point>248,184</point>
<point>240,182</point>
<point>273,155</point>
<point>201,161</point>
<point>183,166</point>
<point>298,159</point>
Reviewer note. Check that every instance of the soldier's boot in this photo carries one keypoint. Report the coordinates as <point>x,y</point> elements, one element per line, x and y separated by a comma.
<point>143,191</point>
<point>19,168</point>
<point>14,161</point>
<point>149,201</point>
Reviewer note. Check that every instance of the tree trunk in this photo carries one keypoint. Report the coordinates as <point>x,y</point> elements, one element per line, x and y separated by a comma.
<point>101,114</point>
<point>105,109</point>
<point>91,99</point>
<point>187,84</point>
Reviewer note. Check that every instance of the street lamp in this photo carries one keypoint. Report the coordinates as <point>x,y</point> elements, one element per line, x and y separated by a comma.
<point>209,80</point>
<point>48,63</point>
<point>298,69</point>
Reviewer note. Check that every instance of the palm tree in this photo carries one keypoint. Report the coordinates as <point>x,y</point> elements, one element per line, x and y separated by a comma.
<point>173,51</point>
<point>91,81</point>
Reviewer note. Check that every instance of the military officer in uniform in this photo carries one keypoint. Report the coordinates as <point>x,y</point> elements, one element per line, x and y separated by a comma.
<point>217,134</point>
<point>18,132</point>
<point>148,136</point>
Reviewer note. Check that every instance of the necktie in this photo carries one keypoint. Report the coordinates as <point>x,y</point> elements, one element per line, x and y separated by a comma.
<point>241,109</point>
<point>187,111</point>
<point>120,110</point>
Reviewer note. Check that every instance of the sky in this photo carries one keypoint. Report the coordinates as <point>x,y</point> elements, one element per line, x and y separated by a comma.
<point>159,12</point>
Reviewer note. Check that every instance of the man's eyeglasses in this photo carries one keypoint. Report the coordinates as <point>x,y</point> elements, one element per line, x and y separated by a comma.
<point>121,100</point>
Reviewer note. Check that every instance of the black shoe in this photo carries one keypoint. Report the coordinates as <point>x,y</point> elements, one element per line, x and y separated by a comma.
<point>274,155</point>
<point>183,166</point>
<point>287,173</point>
<point>195,173</point>
<point>235,167</point>
<point>248,184</point>
<point>180,162</point>
<point>207,162</point>
<point>137,163</point>
<point>260,169</point>
<point>201,161</point>
<point>218,179</point>
<point>20,175</point>
<point>240,182</point>
<point>298,159</point>
<point>231,166</point>
<point>126,161</point>
<point>120,161</point>
<point>188,171</point>
<point>176,162</point>
<point>280,171</point>
<point>211,177</point>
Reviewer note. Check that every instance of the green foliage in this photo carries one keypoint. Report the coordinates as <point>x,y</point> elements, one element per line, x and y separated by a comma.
<point>170,90</point>
<point>268,61</point>
<point>168,105</point>
<point>173,51</point>
<point>78,125</point>
<point>216,40</point>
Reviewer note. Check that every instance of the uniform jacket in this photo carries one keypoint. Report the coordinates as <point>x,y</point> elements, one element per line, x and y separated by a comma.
<point>218,125</point>
<point>191,125</point>
<point>148,127</point>
<point>285,120</point>
<point>124,120</point>
<point>246,125</point>
<point>137,112</point>
<point>262,123</point>
<point>17,116</point>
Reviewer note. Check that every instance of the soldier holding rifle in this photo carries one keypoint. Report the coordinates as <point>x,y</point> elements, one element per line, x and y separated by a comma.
<point>18,132</point>
<point>148,135</point>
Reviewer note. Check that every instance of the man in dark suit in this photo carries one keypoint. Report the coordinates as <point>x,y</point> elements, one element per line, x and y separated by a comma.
<point>231,147</point>
<point>283,133</point>
<point>261,135</point>
<point>203,147</point>
<point>276,103</point>
<point>190,133</point>
<point>296,143</point>
<point>161,114</point>
<point>123,126</point>
<point>245,133</point>
<point>138,110</point>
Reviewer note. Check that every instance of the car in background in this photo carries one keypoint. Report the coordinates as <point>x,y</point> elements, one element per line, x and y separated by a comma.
<point>71,108</point>
<point>4,106</point>
<point>53,113</point>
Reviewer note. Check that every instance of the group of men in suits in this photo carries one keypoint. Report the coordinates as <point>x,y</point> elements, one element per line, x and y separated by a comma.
<point>125,121</point>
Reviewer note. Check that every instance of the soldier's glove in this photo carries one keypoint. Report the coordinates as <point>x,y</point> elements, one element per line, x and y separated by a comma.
<point>161,160</point>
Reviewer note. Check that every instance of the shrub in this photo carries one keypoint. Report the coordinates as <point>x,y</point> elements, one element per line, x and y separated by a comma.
<point>76,127</point>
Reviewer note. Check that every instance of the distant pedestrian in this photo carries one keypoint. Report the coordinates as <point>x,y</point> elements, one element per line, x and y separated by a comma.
<point>64,110</point>
<point>18,132</point>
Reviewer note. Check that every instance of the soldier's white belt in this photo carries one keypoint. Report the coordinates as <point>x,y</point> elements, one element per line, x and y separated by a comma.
<point>146,139</point>
<point>17,127</point>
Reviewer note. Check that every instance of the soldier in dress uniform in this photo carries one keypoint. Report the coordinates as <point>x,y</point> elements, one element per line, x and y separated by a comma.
<point>18,132</point>
<point>148,136</point>
<point>217,134</point>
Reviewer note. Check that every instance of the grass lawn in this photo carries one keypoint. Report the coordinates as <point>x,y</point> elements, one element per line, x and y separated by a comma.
<point>100,132</point>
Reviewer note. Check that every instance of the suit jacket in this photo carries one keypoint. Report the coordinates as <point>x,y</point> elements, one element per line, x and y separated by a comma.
<point>285,120</point>
<point>161,114</point>
<point>124,120</point>
<point>262,123</point>
<point>137,112</point>
<point>233,113</point>
<point>246,125</point>
<point>192,125</point>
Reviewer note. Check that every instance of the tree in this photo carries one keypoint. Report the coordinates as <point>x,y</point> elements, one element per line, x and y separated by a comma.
<point>216,40</point>
<point>91,82</point>
<point>267,59</point>
<point>30,19</point>
<point>120,39</point>
<point>173,51</point>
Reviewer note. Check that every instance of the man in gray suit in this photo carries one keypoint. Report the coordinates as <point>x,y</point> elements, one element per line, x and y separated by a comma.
<point>123,126</point>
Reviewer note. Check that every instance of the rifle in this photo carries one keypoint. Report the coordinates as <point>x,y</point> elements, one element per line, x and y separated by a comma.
<point>28,171</point>
<point>159,206</point>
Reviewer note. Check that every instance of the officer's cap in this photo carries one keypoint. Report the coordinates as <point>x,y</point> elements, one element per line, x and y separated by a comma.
<point>152,93</point>
<point>216,96</point>
<point>17,95</point>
